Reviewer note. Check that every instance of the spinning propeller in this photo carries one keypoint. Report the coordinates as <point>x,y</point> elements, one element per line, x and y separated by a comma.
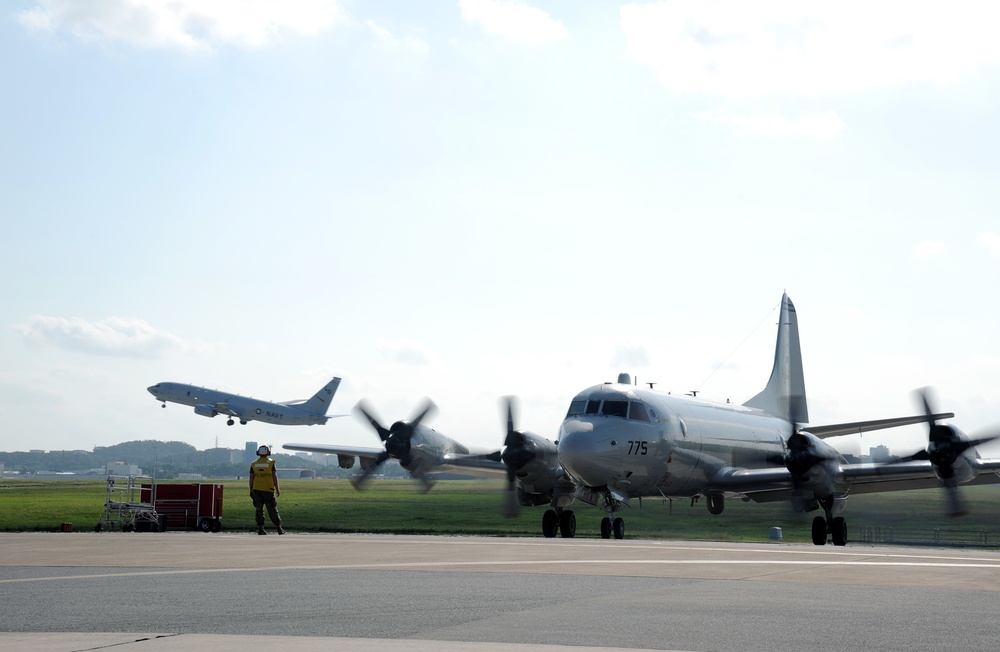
<point>397,440</point>
<point>945,445</point>
<point>801,452</point>
<point>517,453</point>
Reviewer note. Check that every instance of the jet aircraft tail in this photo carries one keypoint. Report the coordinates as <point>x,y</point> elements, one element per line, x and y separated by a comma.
<point>320,402</point>
<point>785,393</point>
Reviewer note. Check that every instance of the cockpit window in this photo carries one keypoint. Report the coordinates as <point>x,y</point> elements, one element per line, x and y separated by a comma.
<point>576,407</point>
<point>637,412</point>
<point>593,406</point>
<point>615,409</point>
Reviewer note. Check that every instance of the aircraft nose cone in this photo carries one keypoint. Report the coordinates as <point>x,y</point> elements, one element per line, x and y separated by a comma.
<point>152,389</point>
<point>588,454</point>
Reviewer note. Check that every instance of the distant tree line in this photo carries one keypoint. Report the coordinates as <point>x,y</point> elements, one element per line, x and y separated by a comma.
<point>168,459</point>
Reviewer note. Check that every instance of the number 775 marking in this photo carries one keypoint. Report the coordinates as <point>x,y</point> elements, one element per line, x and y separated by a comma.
<point>637,448</point>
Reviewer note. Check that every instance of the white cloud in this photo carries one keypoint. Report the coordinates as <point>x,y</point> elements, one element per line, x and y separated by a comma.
<point>512,19</point>
<point>110,336</point>
<point>629,357</point>
<point>402,352</point>
<point>818,126</point>
<point>929,249</point>
<point>184,24</point>
<point>739,49</point>
<point>403,46</point>
<point>991,241</point>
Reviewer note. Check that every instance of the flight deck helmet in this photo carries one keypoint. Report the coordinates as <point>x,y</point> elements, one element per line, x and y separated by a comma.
<point>263,450</point>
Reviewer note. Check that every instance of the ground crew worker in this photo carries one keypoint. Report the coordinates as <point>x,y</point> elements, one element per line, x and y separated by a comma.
<point>264,488</point>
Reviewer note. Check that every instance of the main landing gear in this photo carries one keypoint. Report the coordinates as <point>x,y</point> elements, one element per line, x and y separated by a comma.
<point>835,526</point>
<point>563,522</point>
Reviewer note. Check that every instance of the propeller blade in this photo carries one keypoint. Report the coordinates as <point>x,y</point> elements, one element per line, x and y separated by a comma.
<point>359,482</point>
<point>429,406</point>
<point>956,507</point>
<point>365,410</point>
<point>514,457</point>
<point>944,446</point>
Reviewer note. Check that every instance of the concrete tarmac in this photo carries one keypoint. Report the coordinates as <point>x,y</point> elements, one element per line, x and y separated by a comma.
<point>180,590</point>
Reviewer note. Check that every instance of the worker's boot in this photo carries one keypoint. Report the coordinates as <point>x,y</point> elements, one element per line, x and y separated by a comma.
<point>261,530</point>
<point>281,530</point>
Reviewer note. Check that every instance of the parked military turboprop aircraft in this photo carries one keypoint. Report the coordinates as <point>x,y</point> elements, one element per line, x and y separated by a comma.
<point>211,402</point>
<point>620,441</point>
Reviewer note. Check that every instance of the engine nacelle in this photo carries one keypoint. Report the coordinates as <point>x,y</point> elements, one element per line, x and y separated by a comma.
<point>951,455</point>
<point>345,461</point>
<point>536,464</point>
<point>205,410</point>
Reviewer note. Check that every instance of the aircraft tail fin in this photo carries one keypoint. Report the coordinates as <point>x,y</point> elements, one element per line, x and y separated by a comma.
<point>320,402</point>
<point>785,393</point>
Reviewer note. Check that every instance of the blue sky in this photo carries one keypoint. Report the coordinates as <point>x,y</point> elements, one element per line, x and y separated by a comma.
<point>478,198</point>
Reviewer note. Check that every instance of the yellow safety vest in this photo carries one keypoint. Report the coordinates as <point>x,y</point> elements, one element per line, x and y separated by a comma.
<point>263,474</point>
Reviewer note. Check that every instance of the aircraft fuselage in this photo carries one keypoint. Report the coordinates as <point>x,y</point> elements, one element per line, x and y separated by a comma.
<point>212,402</point>
<point>641,442</point>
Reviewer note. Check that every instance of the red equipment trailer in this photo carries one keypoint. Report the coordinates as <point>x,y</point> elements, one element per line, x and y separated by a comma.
<point>187,505</point>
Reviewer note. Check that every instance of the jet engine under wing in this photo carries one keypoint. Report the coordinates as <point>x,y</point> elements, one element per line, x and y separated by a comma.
<point>855,427</point>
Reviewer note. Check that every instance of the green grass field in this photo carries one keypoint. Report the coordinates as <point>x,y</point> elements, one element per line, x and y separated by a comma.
<point>475,507</point>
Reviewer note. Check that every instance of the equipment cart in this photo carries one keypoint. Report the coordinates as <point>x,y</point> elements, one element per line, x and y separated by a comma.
<point>187,505</point>
<point>125,509</point>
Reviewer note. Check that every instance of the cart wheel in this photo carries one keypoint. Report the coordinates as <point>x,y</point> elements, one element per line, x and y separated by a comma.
<point>217,525</point>
<point>205,525</point>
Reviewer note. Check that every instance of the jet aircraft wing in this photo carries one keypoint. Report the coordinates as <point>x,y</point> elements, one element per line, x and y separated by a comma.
<point>222,407</point>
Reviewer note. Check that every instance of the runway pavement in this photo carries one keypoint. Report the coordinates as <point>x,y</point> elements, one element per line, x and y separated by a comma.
<point>174,591</point>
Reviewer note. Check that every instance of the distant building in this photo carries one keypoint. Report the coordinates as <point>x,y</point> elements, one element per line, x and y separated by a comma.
<point>879,454</point>
<point>250,452</point>
<point>237,457</point>
<point>122,469</point>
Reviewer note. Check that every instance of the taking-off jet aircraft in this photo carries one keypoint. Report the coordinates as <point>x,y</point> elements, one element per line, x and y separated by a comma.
<point>620,441</point>
<point>211,402</point>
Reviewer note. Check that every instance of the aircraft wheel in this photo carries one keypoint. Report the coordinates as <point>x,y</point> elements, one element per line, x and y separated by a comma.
<point>819,531</point>
<point>618,525</point>
<point>605,528</point>
<point>230,422</point>
<point>550,523</point>
<point>567,524</point>
<point>716,503</point>
<point>839,531</point>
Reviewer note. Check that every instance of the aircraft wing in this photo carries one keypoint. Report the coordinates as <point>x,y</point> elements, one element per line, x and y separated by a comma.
<point>321,419</point>
<point>331,449</point>
<point>223,408</point>
<point>474,465</point>
<point>854,427</point>
<point>775,483</point>
<point>917,474</point>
